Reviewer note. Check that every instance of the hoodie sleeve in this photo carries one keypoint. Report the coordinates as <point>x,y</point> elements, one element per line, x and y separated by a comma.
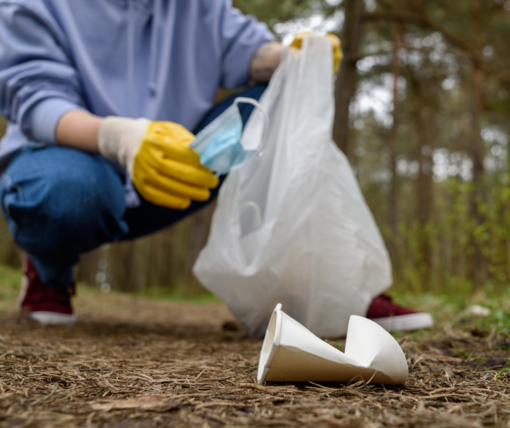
<point>38,82</point>
<point>240,37</point>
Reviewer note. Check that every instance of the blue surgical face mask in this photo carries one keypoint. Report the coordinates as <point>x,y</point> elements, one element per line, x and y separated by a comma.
<point>219,143</point>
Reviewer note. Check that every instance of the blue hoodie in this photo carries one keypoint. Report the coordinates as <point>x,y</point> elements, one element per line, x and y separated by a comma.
<point>159,59</point>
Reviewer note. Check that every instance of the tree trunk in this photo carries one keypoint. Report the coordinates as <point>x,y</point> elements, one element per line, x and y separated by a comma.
<point>424,184</point>
<point>347,77</point>
<point>481,274</point>
<point>477,156</point>
<point>394,143</point>
<point>477,150</point>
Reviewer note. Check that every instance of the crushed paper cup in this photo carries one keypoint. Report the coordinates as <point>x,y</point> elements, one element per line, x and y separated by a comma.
<point>292,353</point>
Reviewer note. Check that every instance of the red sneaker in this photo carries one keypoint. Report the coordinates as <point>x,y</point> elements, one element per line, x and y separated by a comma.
<point>393,317</point>
<point>41,303</point>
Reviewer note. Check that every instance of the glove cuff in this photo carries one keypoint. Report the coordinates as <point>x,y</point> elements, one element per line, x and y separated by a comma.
<point>119,138</point>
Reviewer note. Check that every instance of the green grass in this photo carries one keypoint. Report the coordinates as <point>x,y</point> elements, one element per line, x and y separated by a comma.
<point>9,286</point>
<point>454,308</point>
<point>9,278</point>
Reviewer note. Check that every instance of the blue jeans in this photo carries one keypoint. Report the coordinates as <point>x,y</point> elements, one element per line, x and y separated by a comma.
<point>60,202</point>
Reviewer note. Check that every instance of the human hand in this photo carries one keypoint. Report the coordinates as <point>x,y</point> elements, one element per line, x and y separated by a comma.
<point>156,155</point>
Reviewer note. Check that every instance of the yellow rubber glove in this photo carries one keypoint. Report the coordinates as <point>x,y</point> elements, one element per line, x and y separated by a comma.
<point>156,155</point>
<point>335,44</point>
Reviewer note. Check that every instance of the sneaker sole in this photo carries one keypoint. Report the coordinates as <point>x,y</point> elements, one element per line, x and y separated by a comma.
<point>51,318</point>
<point>405,322</point>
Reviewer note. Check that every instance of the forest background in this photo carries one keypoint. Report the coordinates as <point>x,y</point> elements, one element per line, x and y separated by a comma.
<point>422,112</point>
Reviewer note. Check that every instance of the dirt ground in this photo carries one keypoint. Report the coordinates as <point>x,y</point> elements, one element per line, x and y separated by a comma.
<point>132,362</point>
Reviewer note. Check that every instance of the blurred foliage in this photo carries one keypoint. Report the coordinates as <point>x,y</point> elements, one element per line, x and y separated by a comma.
<point>9,280</point>
<point>448,228</point>
<point>453,85</point>
<point>273,12</point>
<point>451,226</point>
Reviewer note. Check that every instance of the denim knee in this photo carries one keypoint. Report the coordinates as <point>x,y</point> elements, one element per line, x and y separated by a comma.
<point>60,202</point>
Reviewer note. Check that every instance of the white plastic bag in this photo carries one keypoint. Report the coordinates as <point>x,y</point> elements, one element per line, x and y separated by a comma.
<point>292,226</point>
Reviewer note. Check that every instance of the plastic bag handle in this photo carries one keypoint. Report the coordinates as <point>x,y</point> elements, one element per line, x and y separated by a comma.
<point>262,146</point>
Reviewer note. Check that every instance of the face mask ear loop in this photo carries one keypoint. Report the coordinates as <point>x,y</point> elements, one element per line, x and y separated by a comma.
<point>262,146</point>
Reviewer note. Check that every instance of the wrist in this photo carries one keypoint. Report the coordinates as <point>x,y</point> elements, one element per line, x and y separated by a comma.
<point>120,137</point>
<point>78,129</point>
<point>265,61</point>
